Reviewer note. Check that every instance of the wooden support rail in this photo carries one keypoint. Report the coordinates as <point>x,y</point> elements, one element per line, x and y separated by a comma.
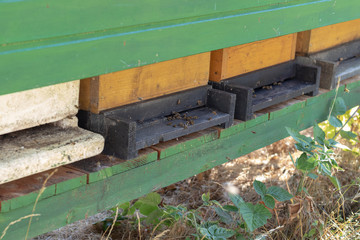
<point>82,189</point>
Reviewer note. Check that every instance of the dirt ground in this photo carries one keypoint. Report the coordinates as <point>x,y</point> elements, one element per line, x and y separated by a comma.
<point>271,165</point>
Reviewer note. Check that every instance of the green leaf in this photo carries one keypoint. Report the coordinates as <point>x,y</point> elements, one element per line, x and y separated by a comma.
<point>214,232</point>
<point>319,134</point>
<point>236,199</point>
<point>312,175</point>
<point>306,163</point>
<point>125,207</point>
<point>206,197</point>
<point>260,188</point>
<point>279,193</point>
<point>152,198</point>
<point>334,121</point>
<point>154,216</point>
<point>269,201</point>
<point>339,107</point>
<point>348,135</point>
<point>224,216</point>
<point>335,181</point>
<point>311,232</point>
<point>255,216</point>
<point>324,169</point>
<point>230,208</point>
<point>147,209</point>
<point>240,237</point>
<point>303,147</point>
<point>298,137</point>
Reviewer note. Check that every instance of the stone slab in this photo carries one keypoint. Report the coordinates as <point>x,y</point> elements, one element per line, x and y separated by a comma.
<point>26,109</point>
<point>35,150</point>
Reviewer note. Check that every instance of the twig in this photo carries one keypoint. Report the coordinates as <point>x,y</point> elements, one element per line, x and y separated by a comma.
<point>139,228</point>
<point>337,133</point>
<point>113,224</point>
<point>336,93</point>
<point>16,221</point>
<point>153,232</point>
<point>37,199</point>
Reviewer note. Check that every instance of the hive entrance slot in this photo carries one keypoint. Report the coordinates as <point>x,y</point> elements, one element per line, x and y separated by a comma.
<point>130,128</point>
<point>270,86</point>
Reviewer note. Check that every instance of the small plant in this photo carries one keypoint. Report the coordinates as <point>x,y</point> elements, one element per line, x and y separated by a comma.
<point>318,155</point>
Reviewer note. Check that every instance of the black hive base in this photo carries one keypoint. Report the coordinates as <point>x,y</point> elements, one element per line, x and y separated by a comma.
<point>130,128</point>
<point>337,64</point>
<point>269,86</point>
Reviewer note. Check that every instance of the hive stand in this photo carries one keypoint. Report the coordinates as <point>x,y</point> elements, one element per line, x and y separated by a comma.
<point>132,127</point>
<point>338,63</point>
<point>266,87</point>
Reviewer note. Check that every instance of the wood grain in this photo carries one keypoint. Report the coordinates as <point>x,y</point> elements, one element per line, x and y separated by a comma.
<point>233,61</point>
<point>142,83</point>
<point>323,38</point>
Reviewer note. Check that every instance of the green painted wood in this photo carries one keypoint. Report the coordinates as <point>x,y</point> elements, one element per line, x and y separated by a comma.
<point>38,19</point>
<point>32,64</point>
<point>70,184</point>
<point>101,167</point>
<point>146,156</point>
<point>237,127</point>
<point>289,109</point>
<point>186,143</point>
<point>89,199</point>
<point>257,120</point>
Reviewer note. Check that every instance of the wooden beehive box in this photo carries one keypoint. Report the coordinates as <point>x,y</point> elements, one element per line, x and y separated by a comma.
<point>335,48</point>
<point>142,83</point>
<point>237,60</point>
<point>323,38</point>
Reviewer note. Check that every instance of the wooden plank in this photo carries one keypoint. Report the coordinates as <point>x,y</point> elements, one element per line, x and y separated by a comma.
<point>38,106</point>
<point>31,64</point>
<point>23,192</point>
<point>39,149</point>
<point>101,167</point>
<point>40,20</point>
<point>87,200</point>
<point>142,83</point>
<point>194,140</point>
<point>233,61</point>
<point>323,38</point>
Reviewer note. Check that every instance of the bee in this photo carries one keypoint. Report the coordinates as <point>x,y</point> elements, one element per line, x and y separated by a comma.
<point>199,102</point>
<point>214,112</point>
<point>178,101</point>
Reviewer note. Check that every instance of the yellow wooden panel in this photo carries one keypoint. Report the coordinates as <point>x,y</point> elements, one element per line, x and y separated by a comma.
<point>233,61</point>
<point>318,39</point>
<point>84,99</point>
<point>146,82</point>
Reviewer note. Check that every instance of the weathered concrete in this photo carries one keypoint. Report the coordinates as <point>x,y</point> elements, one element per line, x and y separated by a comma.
<point>39,106</point>
<point>38,149</point>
